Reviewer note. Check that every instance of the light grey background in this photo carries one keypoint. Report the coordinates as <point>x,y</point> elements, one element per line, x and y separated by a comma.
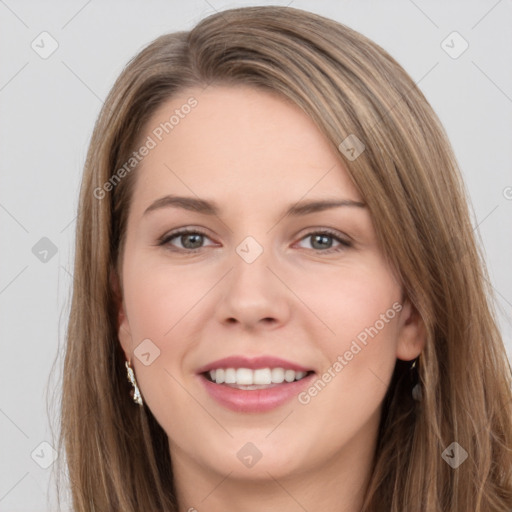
<point>48,108</point>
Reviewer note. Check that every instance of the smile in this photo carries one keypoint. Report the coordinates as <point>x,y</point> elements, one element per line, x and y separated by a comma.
<point>245,378</point>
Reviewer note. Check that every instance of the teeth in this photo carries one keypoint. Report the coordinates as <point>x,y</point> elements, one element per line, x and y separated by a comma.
<point>289,375</point>
<point>262,376</point>
<point>229,376</point>
<point>277,375</point>
<point>259,377</point>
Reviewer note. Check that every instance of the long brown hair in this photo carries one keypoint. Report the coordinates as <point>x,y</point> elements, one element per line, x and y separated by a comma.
<point>117,454</point>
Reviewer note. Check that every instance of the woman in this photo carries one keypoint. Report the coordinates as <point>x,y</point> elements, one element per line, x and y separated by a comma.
<point>278,300</point>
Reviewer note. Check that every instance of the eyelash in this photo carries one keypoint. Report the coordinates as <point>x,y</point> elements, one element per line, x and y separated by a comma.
<point>166,239</point>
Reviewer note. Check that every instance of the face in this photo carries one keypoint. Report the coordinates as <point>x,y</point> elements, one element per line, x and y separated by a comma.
<point>256,294</point>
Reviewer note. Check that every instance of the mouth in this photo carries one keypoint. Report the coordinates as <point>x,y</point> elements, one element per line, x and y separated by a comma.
<point>252,379</point>
<point>254,385</point>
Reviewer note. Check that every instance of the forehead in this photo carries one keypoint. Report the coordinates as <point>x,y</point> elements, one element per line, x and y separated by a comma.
<point>238,142</point>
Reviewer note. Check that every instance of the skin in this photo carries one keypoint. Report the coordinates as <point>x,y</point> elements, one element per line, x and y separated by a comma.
<point>255,154</point>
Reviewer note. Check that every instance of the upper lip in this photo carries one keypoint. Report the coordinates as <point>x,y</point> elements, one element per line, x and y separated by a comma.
<point>253,363</point>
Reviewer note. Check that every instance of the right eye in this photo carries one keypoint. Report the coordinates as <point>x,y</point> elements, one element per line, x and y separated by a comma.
<point>190,239</point>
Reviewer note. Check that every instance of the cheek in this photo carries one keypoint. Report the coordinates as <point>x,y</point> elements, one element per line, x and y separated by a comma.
<point>348,300</point>
<point>160,307</point>
<point>160,300</point>
<point>361,309</point>
<point>346,396</point>
<point>163,304</point>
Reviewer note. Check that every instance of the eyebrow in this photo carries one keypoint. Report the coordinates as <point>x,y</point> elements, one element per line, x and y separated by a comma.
<point>210,208</point>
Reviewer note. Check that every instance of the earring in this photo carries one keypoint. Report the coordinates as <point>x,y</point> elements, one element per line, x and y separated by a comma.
<point>135,392</point>
<point>416,386</point>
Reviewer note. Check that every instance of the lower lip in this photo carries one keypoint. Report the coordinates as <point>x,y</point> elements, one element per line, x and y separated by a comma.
<point>255,400</point>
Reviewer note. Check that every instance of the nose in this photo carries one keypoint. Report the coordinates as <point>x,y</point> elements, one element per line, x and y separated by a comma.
<point>253,293</point>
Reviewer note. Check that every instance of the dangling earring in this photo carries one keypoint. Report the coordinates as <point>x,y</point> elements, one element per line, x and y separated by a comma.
<point>416,386</point>
<point>135,392</point>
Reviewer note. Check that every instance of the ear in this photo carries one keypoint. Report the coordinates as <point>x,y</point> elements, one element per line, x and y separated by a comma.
<point>412,333</point>
<point>123,327</point>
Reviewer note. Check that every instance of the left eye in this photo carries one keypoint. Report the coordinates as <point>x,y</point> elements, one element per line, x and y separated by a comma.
<point>192,240</point>
<point>321,239</point>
